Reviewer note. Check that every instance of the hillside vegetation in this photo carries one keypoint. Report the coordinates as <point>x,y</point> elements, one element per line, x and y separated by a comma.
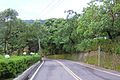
<point>98,25</point>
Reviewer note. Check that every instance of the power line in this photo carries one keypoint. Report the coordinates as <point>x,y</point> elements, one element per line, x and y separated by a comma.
<point>58,5</point>
<point>53,6</point>
<point>48,7</point>
<point>43,10</point>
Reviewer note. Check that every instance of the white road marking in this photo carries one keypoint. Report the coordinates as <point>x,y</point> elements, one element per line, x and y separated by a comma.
<point>100,70</point>
<point>36,71</point>
<point>69,71</point>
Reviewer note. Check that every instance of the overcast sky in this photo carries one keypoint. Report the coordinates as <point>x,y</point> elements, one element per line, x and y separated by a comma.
<point>43,9</point>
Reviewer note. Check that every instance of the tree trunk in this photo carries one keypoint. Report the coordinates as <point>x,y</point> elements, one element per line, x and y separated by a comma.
<point>6,48</point>
<point>109,35</point>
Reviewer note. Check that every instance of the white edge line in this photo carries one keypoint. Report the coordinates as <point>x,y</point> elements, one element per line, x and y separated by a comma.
<point>36,71</point>
<point>99,70</point>
<point>69,71</point>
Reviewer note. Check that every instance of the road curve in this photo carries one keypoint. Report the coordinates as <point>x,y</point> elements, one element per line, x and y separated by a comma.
<point>69,70</point>
<point>51,70</point>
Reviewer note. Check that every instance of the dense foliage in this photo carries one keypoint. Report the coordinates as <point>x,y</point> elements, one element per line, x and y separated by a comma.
<point>11,67</point>
<point>97,25</point>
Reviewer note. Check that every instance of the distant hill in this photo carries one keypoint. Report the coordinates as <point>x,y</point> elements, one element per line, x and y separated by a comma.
<point>32,21</point>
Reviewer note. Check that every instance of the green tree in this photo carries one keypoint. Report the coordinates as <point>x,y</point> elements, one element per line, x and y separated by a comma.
<point>7,19</point>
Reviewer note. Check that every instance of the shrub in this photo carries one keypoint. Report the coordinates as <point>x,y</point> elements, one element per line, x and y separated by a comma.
<point>17,64</point>
<point>1,57</point>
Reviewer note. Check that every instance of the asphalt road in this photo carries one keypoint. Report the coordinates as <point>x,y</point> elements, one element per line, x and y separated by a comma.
<point>69,70</point>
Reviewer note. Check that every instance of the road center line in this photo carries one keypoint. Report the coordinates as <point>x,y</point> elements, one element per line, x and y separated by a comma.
<point>69,71</point>
<point>100,70</point>
<point>36,71</point>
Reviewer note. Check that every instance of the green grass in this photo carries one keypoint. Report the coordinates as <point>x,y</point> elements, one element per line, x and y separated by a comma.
<point>92,60</point>
<point>64,56</point>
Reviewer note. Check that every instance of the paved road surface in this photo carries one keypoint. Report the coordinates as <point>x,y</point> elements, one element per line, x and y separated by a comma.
<point>69,70</point>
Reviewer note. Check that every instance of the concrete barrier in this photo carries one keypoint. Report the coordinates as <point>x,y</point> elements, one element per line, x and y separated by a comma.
<point>28,73</point>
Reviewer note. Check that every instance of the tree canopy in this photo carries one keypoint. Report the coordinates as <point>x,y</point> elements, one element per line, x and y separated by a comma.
<point>98,24</point>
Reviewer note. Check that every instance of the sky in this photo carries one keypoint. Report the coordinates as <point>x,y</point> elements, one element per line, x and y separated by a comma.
<point>43,9</point>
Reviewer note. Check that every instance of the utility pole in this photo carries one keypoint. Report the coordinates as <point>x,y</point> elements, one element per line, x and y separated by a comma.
<point>99,55</point>
<point>39,45</point>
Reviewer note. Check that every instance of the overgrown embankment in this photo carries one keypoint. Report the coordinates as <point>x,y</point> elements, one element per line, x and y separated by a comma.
<point>108,61</point>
